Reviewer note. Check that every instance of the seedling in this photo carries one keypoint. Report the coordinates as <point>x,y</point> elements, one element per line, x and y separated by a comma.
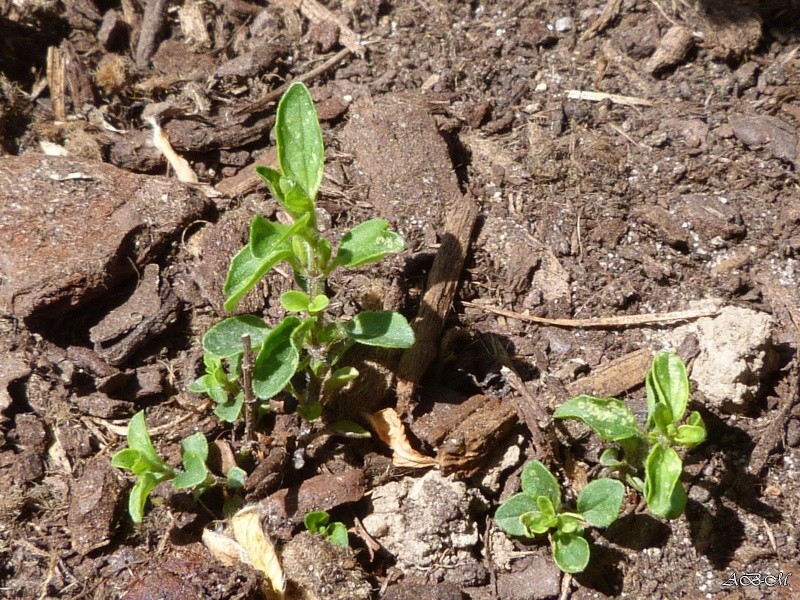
<point>538,510</point>
<point>246,361</point>
<point>650,448</point>
<point>300,356</point>
<point>318,521</point>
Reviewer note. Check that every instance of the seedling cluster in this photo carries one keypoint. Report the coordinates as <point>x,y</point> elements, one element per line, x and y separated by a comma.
<point>319,521</point>
<point>648,450</point>
<point>247,361</point>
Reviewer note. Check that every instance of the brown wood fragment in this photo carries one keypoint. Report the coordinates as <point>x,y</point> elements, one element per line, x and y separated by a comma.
<point>155,17</point>
<point>438,298</point>
<point>673,50</point>
<point>616,377</point>
<point>56,81</point>
<point>317,13</point>
<point>79,81</point>
<point>610,12</point>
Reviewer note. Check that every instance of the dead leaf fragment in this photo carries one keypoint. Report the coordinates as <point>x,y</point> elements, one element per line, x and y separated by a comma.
<point>250,534</point>
<point>392,432</point>
<point>181,165</point>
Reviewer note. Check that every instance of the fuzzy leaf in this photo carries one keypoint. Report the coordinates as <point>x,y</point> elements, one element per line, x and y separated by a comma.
<point>385,329</point>
<point>316,520</point>
<point>570,551</point>
<point>319,303</point>
<point>194,452</point>
<point>277,361</point>
<point>337,534</point>
<point>667,377</point>
<point>141,490</point>
<point>236,477</point>
<point>537,480</point>
<point>600,501</point>
<point>245,272</point>
<point>139,440</point>
<point>300,149</point>
<point>536,522</point>
<point>368,242</point>
<point>295,301</point>
<point>690,435</point>
<point>272,178</point>
<point>662,486</point>
<point>610,418</point>
<point>340,378</point>
<point>509,512</point>
<point>225,338</point>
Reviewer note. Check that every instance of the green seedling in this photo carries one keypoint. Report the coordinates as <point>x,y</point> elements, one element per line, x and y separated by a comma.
<point>299,356</point>
<point>538,510</point>
<point>248,362</point>
<point>649,449</point>
<point>318,521</point>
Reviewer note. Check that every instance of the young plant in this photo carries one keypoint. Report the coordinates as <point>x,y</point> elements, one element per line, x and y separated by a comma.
<point>537,510</point>
<point>318,521</point>
<point>141,459</point>
<point>650,448</point>
<point>300,355</point>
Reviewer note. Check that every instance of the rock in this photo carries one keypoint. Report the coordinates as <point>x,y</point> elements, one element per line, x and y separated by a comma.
<point>564,24</point>
<point>429,525</point>
<point>315,569</point>
<point>71,229</point>
<point>736,355</point>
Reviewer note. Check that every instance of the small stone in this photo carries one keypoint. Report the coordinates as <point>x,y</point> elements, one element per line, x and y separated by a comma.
<point>564,24</point>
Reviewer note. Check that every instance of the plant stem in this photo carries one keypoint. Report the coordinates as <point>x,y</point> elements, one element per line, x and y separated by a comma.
<point>249,399</point>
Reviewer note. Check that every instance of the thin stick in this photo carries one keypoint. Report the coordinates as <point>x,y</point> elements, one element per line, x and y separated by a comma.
<point>247,381</point>
<point>274,95</point>
<point>710,310</point>
<point>615,98</point>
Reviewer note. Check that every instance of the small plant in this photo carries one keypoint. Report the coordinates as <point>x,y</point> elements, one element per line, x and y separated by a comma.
<point>318,521</point>
<point>537,510</point>
<point>246,361</point>
<point>650,449</point>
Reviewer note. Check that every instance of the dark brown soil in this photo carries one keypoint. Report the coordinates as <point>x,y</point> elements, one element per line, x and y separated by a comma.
<point>628,156</point>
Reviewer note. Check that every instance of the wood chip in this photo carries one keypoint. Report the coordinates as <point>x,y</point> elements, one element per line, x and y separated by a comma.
<point>180,164</point>
<point>615,98</point>
<point>392,432</point>
<point>616,377</point>
<point>317,13</point>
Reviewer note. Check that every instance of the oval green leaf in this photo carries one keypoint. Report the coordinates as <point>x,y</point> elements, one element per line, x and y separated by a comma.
<point>570,551</point>
<point>368,242</point>
<point>277,361</point>
<point>662,480</point>
<point>299,138</point>
<point>508,514</point>
<point>610,418</point>
<point>295,301</point>
<point>225,338</point>
<point>600,501</point>
<point>671,385</point>
<point>537,480</point>
<point>385,329</point>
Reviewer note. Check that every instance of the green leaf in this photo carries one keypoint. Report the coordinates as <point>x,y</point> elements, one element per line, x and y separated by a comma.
<point>667,377</point>
<point>277,361</point>
<point>319,303</point>
<point>385,329</point>
<point>570,524</point>
<point>236,477</point>
<point>610,418</point>
<point>350,429</point>
<point>126,458</point>
<point>509,512</point>
<point>225,338</point>
<point>229,409</point>
<point>570,551</point>
<point>300,149</point>
<point>194,453</point>
<point>600,501</point>
<point>340,378</point>
<point>536,522</point>
<point>295,301</point>
<point>316,520</point>
<point>662,418</point>
<point>337,534</point>
<point>662,487</point>
<point>368,242</point>
<point>266,236</point>
<point>141,490</point>
<point>139,440</point>
<point>201,384</point>
<point>610,458</point>
<point>537,480</point>
<point>297,203</point>
<point>272,178</point>
<point>690,435</point>
<point>311,412</point>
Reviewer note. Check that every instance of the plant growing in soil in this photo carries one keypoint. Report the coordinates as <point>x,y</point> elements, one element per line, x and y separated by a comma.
<point>650,449</point>
<point>538,510</point>
<point>318,521</point>
<point>246,361</point>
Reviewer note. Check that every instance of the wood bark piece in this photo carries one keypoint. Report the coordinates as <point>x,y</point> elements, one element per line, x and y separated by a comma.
<point>155,17</point>
<point>56,81</point>
<point>616,377</point>
<point>317,13</point>
<point>441,290</point>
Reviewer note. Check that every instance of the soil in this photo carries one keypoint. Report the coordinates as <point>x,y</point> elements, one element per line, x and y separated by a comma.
<point>628,157</point>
